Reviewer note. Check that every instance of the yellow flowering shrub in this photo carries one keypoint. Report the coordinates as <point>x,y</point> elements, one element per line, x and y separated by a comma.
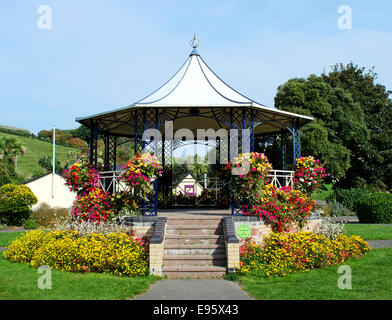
<point>15,203</point>
<point>115,253</point>
<point>284,253</point>
<point>23,249</point>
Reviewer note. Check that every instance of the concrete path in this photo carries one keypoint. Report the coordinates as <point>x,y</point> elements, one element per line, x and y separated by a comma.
<point>377,244</point>
<point>345,219</point>
<point>194,289</point>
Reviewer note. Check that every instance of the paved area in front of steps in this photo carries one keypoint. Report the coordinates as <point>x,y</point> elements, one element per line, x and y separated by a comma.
<point>193,212</point>
<point>194,289</point>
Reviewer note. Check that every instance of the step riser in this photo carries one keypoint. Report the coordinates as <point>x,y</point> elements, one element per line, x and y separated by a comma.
<point>195,262</point>
<point>193,222</point>
<point>214,231</point>
<point>194,241</point>
<point>194,251</point>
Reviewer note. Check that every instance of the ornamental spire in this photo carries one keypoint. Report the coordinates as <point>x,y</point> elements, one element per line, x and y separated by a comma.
<point>194,44</point>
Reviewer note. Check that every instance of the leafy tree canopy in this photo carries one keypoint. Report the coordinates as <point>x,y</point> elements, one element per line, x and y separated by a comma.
<point>10,148</point>
<point>353,127</point>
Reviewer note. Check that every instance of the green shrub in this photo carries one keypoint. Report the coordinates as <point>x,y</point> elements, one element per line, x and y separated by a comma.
<point>15,203</point>
<point>375,207</point>
<point>348,197</point>
<point>47,216</point>
<point>30,224</point>
<point>339,210</point>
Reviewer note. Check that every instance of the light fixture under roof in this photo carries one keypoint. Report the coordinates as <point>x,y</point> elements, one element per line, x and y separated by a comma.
<point>194,111</point>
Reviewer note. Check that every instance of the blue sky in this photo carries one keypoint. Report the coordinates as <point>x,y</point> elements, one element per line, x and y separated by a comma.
<point>105,54</point>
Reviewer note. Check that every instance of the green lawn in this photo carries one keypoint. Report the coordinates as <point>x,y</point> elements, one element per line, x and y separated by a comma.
<point>19,282</point>
<point>371,280</point>
<point>7,237</point>
<point>323,194</point>
<point>369,231</point>
<point>35,150</point>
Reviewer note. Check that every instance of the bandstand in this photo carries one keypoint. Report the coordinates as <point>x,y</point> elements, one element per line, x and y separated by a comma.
<point>195,98</point>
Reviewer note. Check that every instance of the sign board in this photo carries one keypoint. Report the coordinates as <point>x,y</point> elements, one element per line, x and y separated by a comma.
<point>243,231</point>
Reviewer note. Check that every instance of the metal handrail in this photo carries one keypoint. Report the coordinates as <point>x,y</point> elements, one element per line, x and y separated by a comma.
<point>286,177</point>
<point>111,179</point>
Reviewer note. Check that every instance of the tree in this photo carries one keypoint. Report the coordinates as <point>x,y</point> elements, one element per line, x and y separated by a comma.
<point>338,133</point>
<point>77,143</point>
<point>373,160</point>
<point>82,132</point>
<point>10,149</point>
<point>45,135</point>
<point>46,163</point>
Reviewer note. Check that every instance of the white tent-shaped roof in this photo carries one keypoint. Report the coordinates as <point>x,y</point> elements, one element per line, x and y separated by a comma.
<point>195,86</point>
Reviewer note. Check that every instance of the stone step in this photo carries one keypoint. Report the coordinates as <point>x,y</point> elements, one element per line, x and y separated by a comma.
<point>195,217</point>
<point>194,230</point>
<point>194,271</point>
<point>194,239</point>
<point>193,251</point>
<point>198,249</point>
<point>194,260</point>
<point>194,226</point>
<point>194,246</point>
<point>195,221</point>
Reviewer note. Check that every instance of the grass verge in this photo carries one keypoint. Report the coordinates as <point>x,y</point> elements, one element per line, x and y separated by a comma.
<point>369,231</point>
<point>7,237</point>
<point>20,282</point>
<point>371,280</point>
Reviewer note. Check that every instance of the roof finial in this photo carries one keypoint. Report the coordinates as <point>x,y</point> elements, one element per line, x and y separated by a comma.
<point>194,42</point>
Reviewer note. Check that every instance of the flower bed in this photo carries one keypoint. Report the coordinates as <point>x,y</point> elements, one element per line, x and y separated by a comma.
<point>94,204</point>
<point>81,177</point>
<point>309,174</point>
<point>284,253</point>
<point>281,207</point>
<point>66,250</point>
<point>248,175</point>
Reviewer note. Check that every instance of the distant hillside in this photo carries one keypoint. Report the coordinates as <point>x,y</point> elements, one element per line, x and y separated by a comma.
<point>35,150</point>
<point>14,128</point>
